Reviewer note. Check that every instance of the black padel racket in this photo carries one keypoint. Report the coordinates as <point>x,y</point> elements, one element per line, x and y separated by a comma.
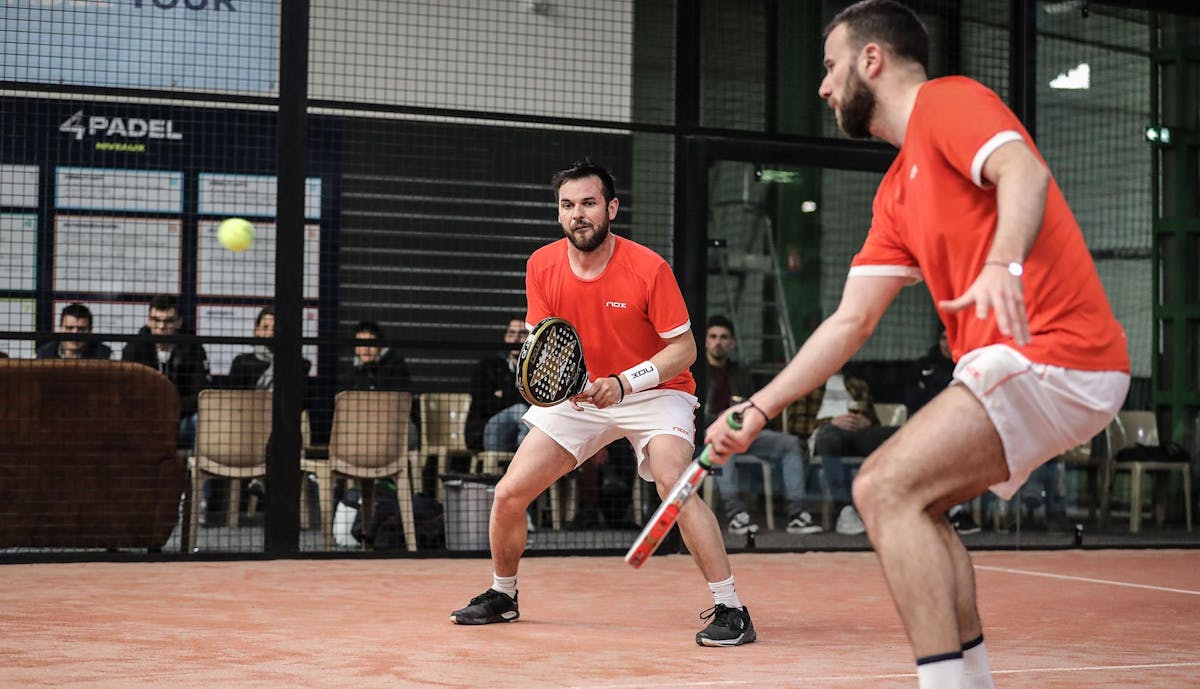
<point>550,367</point>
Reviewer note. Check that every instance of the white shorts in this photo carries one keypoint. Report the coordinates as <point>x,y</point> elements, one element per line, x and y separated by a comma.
<point>640,417</point>
<point>1039,410</point>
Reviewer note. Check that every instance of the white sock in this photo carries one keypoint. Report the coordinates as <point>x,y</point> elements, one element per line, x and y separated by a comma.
<point>975,662</point>
<point>946,673</point>
<point>505,585</point>
<point>725,593</point>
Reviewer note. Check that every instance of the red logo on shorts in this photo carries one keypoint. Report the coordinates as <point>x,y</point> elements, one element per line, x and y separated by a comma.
<point>679,430</point>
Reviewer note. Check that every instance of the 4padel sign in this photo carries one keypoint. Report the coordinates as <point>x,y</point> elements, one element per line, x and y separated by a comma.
<point>119,133</point>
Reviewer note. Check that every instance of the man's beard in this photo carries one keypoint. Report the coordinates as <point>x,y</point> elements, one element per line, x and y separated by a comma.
<point>858,108</point>
<point>599,234</point>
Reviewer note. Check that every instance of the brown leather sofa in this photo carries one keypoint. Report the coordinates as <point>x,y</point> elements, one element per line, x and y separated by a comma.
<point>87,455</point>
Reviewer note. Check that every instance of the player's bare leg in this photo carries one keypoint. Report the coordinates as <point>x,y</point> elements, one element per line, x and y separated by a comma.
<point>729,621</point>
<point>976,665</point>
<point>969,626</point>
<point>666,457</point>
<point>946,454</point>
<point>538,463</point>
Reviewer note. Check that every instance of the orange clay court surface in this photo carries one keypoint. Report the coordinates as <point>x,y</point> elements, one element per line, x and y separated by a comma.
<point>1096,619</point>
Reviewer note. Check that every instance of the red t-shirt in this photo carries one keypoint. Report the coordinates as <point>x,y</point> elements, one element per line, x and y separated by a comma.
<point>622,317</point>
<point>935,218</point>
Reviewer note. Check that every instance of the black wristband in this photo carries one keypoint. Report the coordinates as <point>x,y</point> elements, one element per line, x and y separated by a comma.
<point>750,403</point>
<point>620,386</point>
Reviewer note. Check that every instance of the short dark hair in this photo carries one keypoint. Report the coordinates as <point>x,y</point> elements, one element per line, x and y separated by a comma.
<point>586,168</point>
<point>164,302</point>
<point>369,327</point>
<point>263,313</point>
<point>721,322</point>
<point>78,311</point>
<point>885,21</point>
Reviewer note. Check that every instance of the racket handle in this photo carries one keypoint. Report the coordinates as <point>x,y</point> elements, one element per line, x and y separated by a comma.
<point>735,420</point>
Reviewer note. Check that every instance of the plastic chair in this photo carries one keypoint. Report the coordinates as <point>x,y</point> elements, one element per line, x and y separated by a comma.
<point>1085,457</point>
<point>891,414</point>
<point>368,440</point>
<point>1132,428</point>
<point>232,431</point>
<point>443,428</point>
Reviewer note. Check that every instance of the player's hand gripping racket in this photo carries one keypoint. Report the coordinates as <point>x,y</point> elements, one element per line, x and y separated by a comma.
<point>550,367</point>
<point>668,512</point>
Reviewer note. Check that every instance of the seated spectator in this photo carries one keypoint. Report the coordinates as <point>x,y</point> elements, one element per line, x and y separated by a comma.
<point>185,364</point>
<point>382,368</point>
<point>75,318</point>
<point>256,369</point>
<point>494,419</point>
<point>728,384</point>
<point>841,419</point>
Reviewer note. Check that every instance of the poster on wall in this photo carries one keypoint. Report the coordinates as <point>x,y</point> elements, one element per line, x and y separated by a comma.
<point>116,255</point>
<point>17,315</point>
<point>18,251</point>
<point>250,273</point>
<point>251,196</point>
<point>215,45</point>
<point>238,321</point>
<point>19,186</point>
<point>100,189</point>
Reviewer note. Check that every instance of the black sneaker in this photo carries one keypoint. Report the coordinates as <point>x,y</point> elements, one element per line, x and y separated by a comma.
<point>486,608</point>
<point>729,627</point>
<point>802,523</point>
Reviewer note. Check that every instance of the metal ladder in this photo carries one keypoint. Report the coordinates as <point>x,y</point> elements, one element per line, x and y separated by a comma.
<point>752,251</point>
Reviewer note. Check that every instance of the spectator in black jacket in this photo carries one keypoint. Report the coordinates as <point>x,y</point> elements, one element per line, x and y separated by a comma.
<point>494,420</point>
<point>75,318</point>
<point>256,369</point>
<point>185,364</point>
<point>931,374</point>
<point>381,368</point>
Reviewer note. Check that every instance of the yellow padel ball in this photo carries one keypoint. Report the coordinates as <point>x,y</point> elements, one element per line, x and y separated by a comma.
<point>235,234</point>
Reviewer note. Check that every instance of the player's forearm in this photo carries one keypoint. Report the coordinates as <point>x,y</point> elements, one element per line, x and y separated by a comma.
<point>676,357</point>
<point>1021,188</point>
<point>678,354</point>
<point>864,300</point>
<point>823,354</point>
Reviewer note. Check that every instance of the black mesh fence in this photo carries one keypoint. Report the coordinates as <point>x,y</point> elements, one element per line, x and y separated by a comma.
<point>133,130</point>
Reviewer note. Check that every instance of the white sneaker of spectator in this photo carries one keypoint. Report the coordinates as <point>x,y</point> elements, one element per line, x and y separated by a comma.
<point>849,523</point>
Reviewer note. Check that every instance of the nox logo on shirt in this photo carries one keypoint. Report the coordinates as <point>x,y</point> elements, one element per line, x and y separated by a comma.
<point>615,305</point>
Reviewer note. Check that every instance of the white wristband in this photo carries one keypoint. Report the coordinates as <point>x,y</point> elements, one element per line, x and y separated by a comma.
<point>644,376</point>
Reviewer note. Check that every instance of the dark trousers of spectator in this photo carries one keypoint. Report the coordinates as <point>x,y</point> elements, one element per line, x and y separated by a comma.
<point>831,444</point>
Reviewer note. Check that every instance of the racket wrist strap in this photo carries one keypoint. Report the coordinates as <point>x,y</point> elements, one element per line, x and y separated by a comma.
<point>643,376</point>
<point>620,386</point>
<point>751,405</point>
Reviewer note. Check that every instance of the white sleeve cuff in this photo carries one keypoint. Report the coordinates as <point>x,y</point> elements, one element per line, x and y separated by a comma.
<point>911,273</point>
<point>986,150</point>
